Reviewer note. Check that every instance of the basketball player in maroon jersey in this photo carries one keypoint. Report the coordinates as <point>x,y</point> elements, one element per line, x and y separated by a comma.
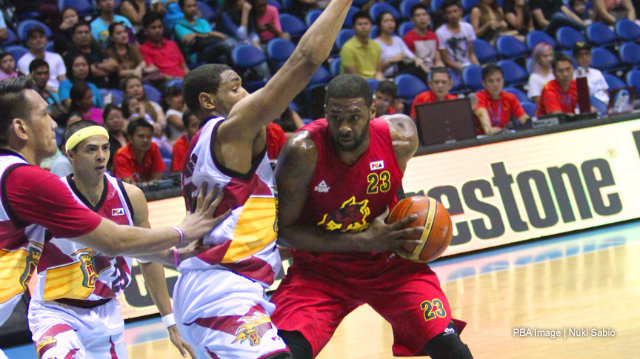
<point>337,179</point>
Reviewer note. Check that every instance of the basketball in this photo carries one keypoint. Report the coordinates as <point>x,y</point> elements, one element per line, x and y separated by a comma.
<point>436,226</point>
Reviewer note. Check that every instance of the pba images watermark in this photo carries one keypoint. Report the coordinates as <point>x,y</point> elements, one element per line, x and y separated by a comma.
<point>564,332</point>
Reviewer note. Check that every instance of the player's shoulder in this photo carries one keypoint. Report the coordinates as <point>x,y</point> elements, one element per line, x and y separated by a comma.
<point>401,126</point>
<point>134,193</point>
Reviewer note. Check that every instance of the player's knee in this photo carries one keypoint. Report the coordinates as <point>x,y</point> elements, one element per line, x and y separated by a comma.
<point>298,345</point>
<point>447,346</point>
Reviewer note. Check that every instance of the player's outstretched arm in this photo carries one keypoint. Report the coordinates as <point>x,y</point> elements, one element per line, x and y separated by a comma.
<point>295,168</point>
<point>404,135</point>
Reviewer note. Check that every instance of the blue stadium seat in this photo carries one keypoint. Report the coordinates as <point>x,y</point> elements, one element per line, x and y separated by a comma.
<point>311,16</point>
<point>604,60</point>
<point>152,93</point>
<point>25,25</point>
<point>207,12</point>
<point>335,67</point>
<point>348,21</point>
<point>405,27</point>
<point>633,79</point>
<point>458,85</point>
<point>12,38</point>
<point>82,7</point>
<point>514,75</point>
<point>436,5</point>
<point>276,3</point>
<point>567,37</point>
<point>511,48</point>
<point>322,76</point>
<point>373,84</point>
<point>409,86</point>
<point>467,5</point>
<point>378,8</point>
<point>529,107</point>
<point>599,34</point>
<point>534,37</point>
<point>520,95</point>
<point>627,30</point>
<point>484,51</point>
<point>472,77</point>
<point>405,7</point>
<point>287,4</point>
<point>17,51</point>
<point>343,36</point>
<point>630,54</point>
<point>614,82</point>
<point>177,82</point>
<point>247,56</point>
<point>291,24</point>
<point>117,96</point>
<point>360,3</point>
<point>374,32</point>
<point>278,51</point>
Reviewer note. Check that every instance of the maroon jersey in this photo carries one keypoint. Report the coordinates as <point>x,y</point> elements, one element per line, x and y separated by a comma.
<point>347,198</point>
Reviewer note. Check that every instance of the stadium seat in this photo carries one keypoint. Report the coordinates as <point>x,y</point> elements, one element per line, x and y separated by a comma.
<point>405,27</point>
<point>247,56</point>
<point>360,3</point>
<point>311,16</point>
<point>405,7</point>
<point>25,25</point>
<point>529,107</point>
<point>514,75</point>
<point>484,51</point>
<point>322,76</point>
<point>335,67</point>
<point>17,51</point>
<point>614,82</point>
<point>458,85</point>
<point>82,7</point>
<point>472,77</point>
<point>520,95</point>
<point>534,37</point>
<point>467,5</point>
<point>378,8</point>
<point>373,84</point>
<point>436,5</point>
<point>152,93</point>
<point>599,34</point>
<point>348,21</point>
<point>374,32</point>
<point>291,24</point>
<point>275,3</point>
<point>207,12</point>
<point>630,54</point>
<point>567,37</point>
<point>12,38</point>
<point>343,36</point>
<point>511,48</point>
<point>627,30</point>
<point>604,60</point>
<point>117,96</point>
<point>409,86</point>
<point>278,51</point>
<point>633,79</point>
<point>177,82</point>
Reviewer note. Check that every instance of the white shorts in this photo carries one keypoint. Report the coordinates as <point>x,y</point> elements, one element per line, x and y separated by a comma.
<point>224,315</point>
<point>59,330</point>
<point>2,355</point>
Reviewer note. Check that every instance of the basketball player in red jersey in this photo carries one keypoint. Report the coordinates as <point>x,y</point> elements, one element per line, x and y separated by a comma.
<point>337,178</point>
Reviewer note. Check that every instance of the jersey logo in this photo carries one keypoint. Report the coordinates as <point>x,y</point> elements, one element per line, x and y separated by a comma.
<point>322,187</point>
<point>253,329</point>
<point>376,165</point>
<point>31,264</point>
<point>351,216</point>
<point>117,212</point>
<point>90,267</point>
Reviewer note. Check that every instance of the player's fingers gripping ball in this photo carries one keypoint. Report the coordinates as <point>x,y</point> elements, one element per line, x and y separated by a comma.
<point>435,221</point>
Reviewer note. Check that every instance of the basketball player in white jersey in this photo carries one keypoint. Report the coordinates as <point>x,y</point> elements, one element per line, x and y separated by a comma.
<point>219,300</point>
<point>74,310</point>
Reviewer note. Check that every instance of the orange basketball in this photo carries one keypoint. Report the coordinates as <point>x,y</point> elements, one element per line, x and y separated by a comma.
<point>435,221</point>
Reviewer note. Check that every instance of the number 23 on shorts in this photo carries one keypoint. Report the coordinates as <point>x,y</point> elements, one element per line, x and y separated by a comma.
<point>433,309</point>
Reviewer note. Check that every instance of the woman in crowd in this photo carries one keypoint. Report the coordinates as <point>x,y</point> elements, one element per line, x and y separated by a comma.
<point>62,42</point>
<point>488,21</point>
<point>396,56</point>
<point>238,21</point>
<point>541,71</point>
<point>128,56</point>
<point>78,72</point>
<point>134,10</point>
<point>517,13</point>
<point>115,125</point>
<point>7,66</point>
<point>82,102</point>
<point>610,11</point>
<point>174,103</point>
<point>268,21</point>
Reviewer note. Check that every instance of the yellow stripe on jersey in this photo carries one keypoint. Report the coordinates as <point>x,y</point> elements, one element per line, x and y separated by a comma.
<point>66,282</point>
<point>16,268</point>
<point>255,229</point>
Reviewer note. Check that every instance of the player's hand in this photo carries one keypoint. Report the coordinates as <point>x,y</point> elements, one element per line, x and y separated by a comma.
<point>382,237</point>
<point>184,348</point>
<point>195,225</point>
<point>192,249</point>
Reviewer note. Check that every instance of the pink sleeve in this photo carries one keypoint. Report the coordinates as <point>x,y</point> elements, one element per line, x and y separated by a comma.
<point>275,16</point>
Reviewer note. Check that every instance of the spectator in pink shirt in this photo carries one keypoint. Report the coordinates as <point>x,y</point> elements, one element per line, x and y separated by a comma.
<point>82,102</point>
<point>268,21</point>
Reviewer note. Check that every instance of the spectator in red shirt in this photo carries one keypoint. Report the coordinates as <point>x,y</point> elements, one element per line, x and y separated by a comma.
<point>559,95</point>
<point>495,107</point>
<point>162,53</point>
<point>440,84</point>
<point>192,125</point>
<point>422,41</point>
<point>140,160</point>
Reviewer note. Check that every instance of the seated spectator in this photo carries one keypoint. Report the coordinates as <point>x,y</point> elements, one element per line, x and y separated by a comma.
<point>36,43</point>
<point>7,66</point>
<point>103,70</point>
<point>517,13</point>
<point>133,88</point>
<point>62,39</point>
<point>199,41</point>
<point>239,22</point>
<point>4,33</point>
<point>39,70</point>
<point>134,10</point>
<point>82,102</point>
<point>361,55</point>
<point>300,8</point>
<point>172,96</point>
<point>598,87</point>
<point>579,7</point>
<point>268,21</point>
<point>115,124</point>
<point>488,22</point>
<point>550,15</point>
<point>127,55</point>
<point>541,71</point>
<point>61,166</point>
<point>162,53</point>
<point>385,97</point>
<point>47,10</point>
<point>422,41</point>
<point>100,25</point>
<point>79,72</point>
<point>440,84</point>
<point>192,124</point>
<point>495,107</point>
<point>395,55</point>
<point>559,96</point>
<point>455,38</point>
<point>610,11</point>
<point>140,160</point>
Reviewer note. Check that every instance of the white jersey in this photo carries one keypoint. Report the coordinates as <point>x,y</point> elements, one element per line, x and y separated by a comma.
<point>245,242</point>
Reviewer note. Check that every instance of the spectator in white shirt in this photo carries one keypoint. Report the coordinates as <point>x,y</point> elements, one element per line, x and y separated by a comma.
<point>541,71</point>
<point>396,56</point>
<point>455,38</point>
<point>598,86</point>
<point>36,43</point>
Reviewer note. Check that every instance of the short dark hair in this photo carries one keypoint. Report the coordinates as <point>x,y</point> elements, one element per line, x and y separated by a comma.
<point>185,118</point>
<point>70,59</point>
<point>204,78</point>
<point>5,54</point>
<point>181,3</point>
<point>349,86</point>
<point>78,91</point>
<point>361,15</point>
<point>107,110</point>
<point>490,69</point>
<point>150,17</point>
<point>34,29</point>
<point>77,126</point>
<point>449,3</point>
<point>13,103</point>
<point>136,124</point>
<point>79,24</point>
<point>37,63</point>
<point>417,6</point>
<point>388,88</point>
<point>170,91</point>
<point>439,70</point>
<point>560,57</point>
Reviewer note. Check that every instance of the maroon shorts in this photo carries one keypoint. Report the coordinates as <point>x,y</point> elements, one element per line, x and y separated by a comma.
<point>314,298</point>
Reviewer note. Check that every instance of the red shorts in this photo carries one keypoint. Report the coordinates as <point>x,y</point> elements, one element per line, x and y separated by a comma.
<point>314,298</point>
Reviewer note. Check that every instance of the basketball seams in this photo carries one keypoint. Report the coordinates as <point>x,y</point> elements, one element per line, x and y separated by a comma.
<point>432,210</point>
<point>443,246</point>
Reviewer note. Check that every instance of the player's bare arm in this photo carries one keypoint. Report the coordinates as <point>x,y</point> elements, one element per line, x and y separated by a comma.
<point>296,165</point>
<point>404,135</point>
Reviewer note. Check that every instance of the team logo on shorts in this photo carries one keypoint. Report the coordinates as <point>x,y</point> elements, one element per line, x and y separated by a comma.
<point>351,216</point>
<point>253,329</point>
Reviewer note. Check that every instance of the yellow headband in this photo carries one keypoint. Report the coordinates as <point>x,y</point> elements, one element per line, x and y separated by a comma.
<point>83,134</point>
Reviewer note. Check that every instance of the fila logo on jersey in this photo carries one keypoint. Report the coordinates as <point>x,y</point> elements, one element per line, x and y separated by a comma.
<point>377,165</point>
<point>117,212</point>
<point>322,187</point>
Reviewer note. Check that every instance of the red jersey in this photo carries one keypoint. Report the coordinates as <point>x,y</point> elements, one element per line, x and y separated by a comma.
<point>427,97</point>
<point>276,139</point>
<point>502,110</point>
<point>553,98</point>
<point>347,198</point>
<point>179,154</point>
<point>125,163</point>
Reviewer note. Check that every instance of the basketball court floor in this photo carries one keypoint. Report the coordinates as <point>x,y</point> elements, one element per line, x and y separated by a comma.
<point>574,296</point>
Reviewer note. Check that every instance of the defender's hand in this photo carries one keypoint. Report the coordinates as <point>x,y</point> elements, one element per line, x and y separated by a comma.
<point>195,225</point>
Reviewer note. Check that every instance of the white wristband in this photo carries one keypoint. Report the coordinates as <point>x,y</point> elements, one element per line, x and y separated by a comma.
<point>168,320</point>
